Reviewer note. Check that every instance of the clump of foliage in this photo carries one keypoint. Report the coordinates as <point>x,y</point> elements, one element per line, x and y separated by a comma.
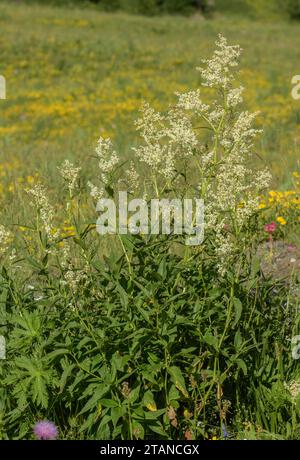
<point>141,336</point>
<point>147,7</point>
<point>255,9</point>
<point>293,8</point>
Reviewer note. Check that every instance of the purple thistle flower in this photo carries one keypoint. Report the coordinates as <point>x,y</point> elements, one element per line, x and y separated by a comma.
<point>45,430</point>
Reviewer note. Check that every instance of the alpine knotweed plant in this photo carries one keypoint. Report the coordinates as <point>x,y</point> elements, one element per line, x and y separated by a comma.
<point>70,174</point>
<point>45,211</point>
<point>200,149</point>
<point>140,336</point>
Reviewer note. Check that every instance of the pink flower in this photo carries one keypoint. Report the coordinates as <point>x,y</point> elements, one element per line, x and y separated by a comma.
<point>270,228</point>
<point>45,430</point>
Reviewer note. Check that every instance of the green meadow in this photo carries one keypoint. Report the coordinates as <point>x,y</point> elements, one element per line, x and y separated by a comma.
<point>73,74</point>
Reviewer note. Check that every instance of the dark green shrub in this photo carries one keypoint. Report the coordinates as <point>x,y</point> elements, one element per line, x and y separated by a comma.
<point>152,7</point>
<point>293,8</point>
<point>178,6</point>
<point>108,5</point>
<point>146,7</point>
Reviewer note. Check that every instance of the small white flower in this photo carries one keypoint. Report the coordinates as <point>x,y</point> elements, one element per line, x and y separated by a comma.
<point>46,211</point>
<point>70,173</point>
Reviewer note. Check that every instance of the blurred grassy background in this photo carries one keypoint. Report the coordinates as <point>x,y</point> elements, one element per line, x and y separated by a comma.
<point>75,73</point>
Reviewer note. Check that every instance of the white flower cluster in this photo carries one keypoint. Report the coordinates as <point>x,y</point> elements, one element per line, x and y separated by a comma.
<point>108,160</point>
<point>95,192</point>
<point>167,139</point>
<point>70,173</point>
<point>294,388</point>
<point>5,239</point>
<point>151,126</point>
<point>234,96</point>
<point>229,187</point>
<point>46,212</point>
<point>74,278</point>
<point>192,101</point>
<point>132,178</point>
<point>218,71</point>
<point>208,145</point>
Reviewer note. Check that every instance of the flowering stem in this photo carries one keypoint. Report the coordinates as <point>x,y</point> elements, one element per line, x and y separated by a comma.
<point>126,256</point>
<point>271,246</point>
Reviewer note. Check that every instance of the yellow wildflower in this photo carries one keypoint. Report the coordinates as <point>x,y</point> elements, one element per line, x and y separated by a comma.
<point>281,220</point>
